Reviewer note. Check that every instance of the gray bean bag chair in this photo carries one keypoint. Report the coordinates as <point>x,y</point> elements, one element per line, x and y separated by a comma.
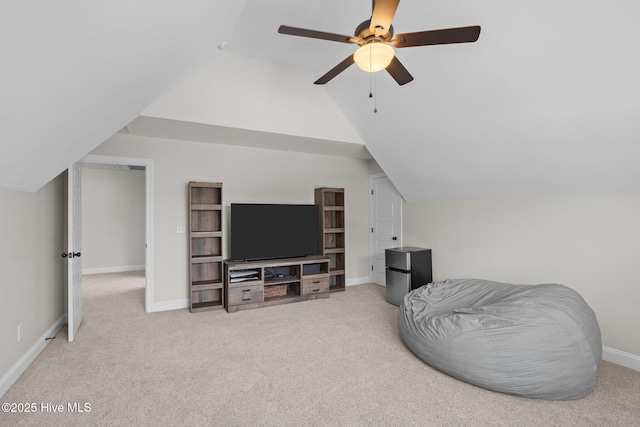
<point>535,341</point>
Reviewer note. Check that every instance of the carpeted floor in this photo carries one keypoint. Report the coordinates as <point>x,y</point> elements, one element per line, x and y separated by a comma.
<point>331,362</point>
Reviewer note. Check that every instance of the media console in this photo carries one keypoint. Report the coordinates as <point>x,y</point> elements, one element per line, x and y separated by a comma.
<point>254,284</point>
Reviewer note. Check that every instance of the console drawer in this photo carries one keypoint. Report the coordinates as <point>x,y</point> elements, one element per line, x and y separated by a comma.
<point>246,294</point>
<point>315,285</point>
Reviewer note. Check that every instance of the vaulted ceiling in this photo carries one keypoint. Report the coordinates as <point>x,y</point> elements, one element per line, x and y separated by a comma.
<point>546,102</point>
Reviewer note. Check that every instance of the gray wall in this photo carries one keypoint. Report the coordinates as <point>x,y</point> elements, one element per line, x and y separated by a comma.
<point>590,243</point>
<point>248,175</point>
<point>113,220</point>
<point>32,270</point>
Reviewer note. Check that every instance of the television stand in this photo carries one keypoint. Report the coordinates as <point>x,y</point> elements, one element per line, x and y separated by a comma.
<point>255,284</point>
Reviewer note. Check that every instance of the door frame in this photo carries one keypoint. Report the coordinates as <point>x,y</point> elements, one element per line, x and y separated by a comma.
<point>117,161</point>
<point>372,254</point>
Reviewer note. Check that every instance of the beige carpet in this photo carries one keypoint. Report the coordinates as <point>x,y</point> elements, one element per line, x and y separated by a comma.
<point>332,362</point>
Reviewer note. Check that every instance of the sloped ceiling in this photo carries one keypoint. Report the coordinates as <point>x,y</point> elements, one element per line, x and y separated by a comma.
<point>73,73</point>
<point>546,102</point>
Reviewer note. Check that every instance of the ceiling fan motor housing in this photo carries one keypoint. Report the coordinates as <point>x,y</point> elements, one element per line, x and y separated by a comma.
<point>364,33</point>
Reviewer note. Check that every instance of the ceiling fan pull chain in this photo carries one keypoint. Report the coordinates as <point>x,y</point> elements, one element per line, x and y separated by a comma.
<point>370,76</point>
<point>375,99</point>
<point>372,82</point>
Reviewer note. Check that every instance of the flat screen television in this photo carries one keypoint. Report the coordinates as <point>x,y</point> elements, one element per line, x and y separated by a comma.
<point>266,231</point>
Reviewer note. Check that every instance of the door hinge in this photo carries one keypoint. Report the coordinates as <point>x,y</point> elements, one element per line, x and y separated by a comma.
<point>372,268</point>
<point>372,229</point>
<point>371,192</point>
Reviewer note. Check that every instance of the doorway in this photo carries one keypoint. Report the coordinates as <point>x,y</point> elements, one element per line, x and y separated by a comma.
<point>385,222</point>
<point>146,165</point>
<point>113,220</point>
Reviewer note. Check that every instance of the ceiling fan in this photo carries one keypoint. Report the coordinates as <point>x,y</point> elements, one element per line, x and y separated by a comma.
<point>376,40</point>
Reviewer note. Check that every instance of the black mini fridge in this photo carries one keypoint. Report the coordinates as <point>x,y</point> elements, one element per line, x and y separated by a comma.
<point>407,268</point>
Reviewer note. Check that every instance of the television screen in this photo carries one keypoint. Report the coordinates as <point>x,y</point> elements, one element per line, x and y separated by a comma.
<point>263,231</point>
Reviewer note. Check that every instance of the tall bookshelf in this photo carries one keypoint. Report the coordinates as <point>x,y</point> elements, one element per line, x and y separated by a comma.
<point>332,233</point>
<point>206,288</point>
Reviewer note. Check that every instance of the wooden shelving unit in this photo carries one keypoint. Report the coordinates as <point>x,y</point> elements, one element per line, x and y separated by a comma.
<point>254,284</point>
<point>332,233</point>
<point>206,288</point>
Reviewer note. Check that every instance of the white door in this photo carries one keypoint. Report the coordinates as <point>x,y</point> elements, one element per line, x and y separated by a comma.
<point>385,213</point>
<point>74,242</point>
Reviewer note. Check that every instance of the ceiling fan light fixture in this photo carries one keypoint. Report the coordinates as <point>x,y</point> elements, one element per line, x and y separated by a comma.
<point>373,57</point>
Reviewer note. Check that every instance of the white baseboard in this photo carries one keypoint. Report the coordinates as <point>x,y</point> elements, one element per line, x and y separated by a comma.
<point>122,269</point>
<point>175,304</point>
<point>358,281</point>
<point>21,365</point>
<point>621,358</point>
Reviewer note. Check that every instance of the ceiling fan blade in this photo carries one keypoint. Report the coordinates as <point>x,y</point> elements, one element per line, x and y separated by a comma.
<point>398,72</point>
<point>383,13</point>
<point>335,70</point>
<point>433,37</point>
<point>293,31</point>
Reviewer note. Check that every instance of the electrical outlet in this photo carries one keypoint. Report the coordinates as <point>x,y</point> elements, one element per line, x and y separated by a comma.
<point>180,229</point>
<point>20,331</point>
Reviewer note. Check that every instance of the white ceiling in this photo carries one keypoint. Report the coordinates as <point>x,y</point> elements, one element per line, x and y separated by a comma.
<point>72,73</point>
<point>546,102</point>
